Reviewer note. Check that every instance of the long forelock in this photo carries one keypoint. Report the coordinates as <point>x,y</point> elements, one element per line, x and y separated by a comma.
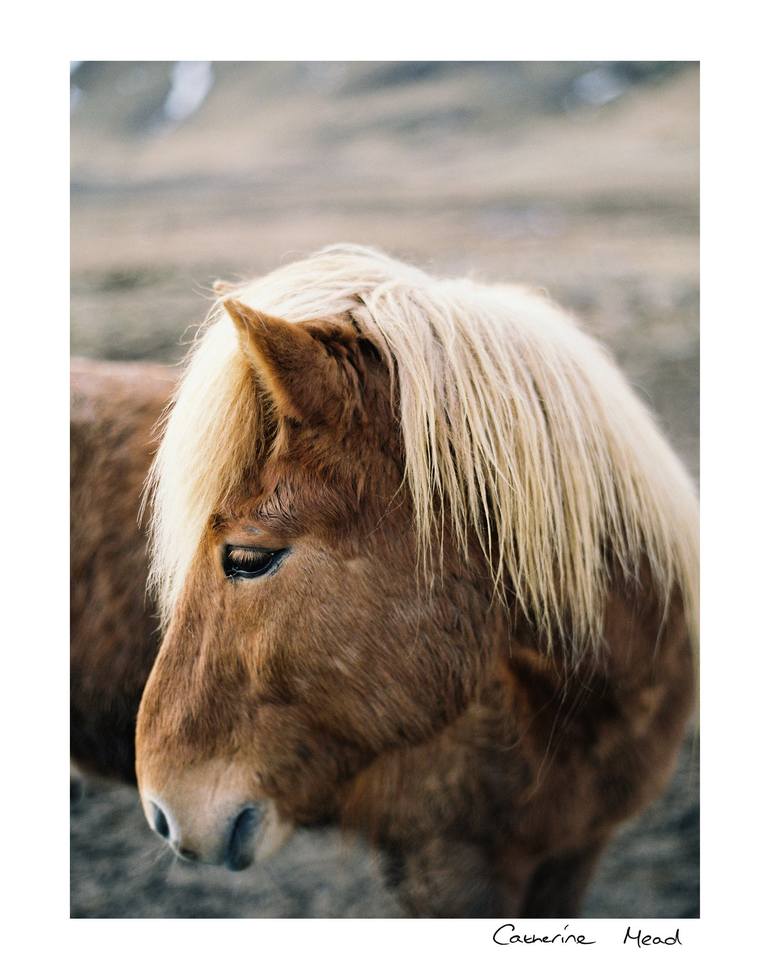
<point>513,419</point>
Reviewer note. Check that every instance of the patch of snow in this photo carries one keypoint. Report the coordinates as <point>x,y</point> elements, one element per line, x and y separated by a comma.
<point>191,82</point>
<point>598,87</point>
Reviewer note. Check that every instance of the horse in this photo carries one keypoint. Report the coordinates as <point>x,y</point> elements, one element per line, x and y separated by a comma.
<point>427,570</point>
<point>114,638</point>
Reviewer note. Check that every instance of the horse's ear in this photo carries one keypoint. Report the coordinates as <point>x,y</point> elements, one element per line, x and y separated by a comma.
<point>300,376</point>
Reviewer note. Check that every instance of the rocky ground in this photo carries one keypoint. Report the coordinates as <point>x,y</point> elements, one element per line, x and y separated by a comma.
<point>581,178</point>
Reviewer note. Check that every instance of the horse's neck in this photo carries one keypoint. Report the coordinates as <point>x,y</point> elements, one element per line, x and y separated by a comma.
<point>536,715</point>
<point>422,786</point>
<point>461,815</point>
<point>438,812</point>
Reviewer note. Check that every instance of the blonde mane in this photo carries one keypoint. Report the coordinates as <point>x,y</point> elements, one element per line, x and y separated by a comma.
<point>514,419</point>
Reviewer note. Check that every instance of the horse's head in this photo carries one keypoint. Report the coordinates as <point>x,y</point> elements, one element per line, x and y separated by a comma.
<point>303,641</point>
<point>318,476</point>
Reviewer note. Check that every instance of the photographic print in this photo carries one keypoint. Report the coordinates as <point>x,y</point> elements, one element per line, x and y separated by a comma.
<point>384,521</point>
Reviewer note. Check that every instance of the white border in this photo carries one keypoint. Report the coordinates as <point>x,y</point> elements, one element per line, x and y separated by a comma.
<point>734,474</point>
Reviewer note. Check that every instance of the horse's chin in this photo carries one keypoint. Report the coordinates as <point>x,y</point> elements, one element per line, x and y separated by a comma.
<point>273,834</point>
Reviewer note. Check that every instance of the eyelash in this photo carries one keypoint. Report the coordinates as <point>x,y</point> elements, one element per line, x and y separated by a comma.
<point>240,562</point>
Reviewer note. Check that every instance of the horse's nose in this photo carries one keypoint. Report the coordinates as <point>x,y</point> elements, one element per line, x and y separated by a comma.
<point>227,839</point>
<point>240,844</point>
<point>159,821</point>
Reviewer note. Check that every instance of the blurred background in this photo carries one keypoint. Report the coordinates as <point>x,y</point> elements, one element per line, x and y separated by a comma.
<point>578,177</point>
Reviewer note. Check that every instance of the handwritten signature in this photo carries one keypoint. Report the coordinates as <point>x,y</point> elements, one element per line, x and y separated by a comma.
<point>649,940</point>
<point>507,935</point>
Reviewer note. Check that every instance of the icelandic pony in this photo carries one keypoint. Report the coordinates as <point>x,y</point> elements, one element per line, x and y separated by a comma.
<point>428,570</point>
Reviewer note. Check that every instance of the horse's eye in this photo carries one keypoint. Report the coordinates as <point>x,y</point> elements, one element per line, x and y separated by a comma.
<point>239,562</point>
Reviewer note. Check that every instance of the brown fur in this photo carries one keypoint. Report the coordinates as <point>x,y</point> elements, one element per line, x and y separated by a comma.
<point>114,629</point>
<point>343,687</point>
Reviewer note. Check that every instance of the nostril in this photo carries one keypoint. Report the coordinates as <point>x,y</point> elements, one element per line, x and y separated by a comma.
<point>187,854</point>
<point>159,821</point>
<point>239,850</point>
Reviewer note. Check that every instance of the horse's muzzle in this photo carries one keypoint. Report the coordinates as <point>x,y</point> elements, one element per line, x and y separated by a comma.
<point>212,813</point>
<point>231,842</point>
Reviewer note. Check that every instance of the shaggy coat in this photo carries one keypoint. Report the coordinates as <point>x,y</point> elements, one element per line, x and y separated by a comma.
<point>113,624</point>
